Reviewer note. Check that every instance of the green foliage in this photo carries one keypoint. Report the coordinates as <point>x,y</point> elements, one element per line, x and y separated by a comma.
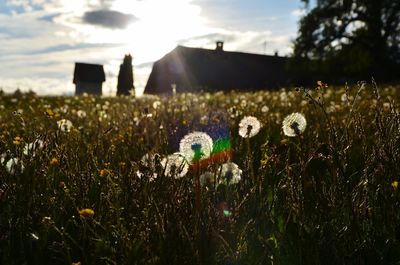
<point>327,196</point>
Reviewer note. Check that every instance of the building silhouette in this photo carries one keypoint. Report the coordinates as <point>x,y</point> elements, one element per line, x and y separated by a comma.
<point>195,69</point>
<point>88,78</point>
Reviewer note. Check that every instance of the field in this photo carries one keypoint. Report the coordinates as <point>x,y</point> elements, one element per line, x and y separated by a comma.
<point>91,180</point>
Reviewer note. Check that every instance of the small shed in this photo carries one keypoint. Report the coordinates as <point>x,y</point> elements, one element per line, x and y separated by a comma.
<point>88,78</point>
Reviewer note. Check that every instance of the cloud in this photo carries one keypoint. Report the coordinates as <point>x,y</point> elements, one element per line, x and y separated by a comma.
<point>298,12</point>
<point>108,18</point>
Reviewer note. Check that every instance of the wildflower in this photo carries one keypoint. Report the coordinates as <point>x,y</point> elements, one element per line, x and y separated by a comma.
<point>149,161</point>
<point>62,185</point>
<point>81,114</point>
<point>395,184</point>
<point>31,148</point>
<point>196,146</point>
<point>76,263</point>
<point>206,178</point>
<point>14,164</point>
<point>249,126</point>
<point>54,161</point>
<point>86,213</point>
<point>49,112</point>
<point>264,109</point>
<point>230,173</point>
<point>294,124</point>
<point>17,140</point>
<point>64,125</point>
<point>104,172</point>
<point>321,84</point>
<point>175,165</point>
<point>156,104</point>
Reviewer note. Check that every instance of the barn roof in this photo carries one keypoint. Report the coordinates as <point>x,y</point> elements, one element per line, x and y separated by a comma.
<point>197,68</point>
<point>85,72</point>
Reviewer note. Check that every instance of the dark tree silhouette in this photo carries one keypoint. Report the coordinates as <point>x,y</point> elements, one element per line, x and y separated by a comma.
<point>125,77</point>
<point>353,37</point>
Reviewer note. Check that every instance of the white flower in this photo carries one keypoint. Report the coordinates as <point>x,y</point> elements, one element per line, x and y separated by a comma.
<point>149,161</point>
<point>81,114</point>
<point>175,165</point>
<point>294,124</point>
<point>196,146</point>
<point>249,126</point>
<point>14,164</point>
<point>230,173</point>
<point>264,109</point>
<point>3,157</point>
<point>31,148</point>
<point>64,125</point>
<point>206,178</point>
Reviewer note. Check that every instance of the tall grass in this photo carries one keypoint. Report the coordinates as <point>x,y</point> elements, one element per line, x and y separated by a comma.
<point>327,196</point>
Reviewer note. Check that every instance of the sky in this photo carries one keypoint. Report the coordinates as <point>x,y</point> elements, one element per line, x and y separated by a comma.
<point>40,40</point>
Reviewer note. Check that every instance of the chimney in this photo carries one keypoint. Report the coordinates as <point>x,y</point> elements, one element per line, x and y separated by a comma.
<point>220,46</point>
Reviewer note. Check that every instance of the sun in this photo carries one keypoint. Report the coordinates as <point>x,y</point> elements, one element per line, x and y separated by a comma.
<point>160,26</point>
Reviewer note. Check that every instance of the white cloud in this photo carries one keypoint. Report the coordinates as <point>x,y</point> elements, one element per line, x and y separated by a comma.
<point>298,12</point>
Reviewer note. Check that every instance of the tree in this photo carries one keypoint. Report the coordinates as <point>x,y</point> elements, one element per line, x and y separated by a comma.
<point>125,77</point>
<point>353,37</point>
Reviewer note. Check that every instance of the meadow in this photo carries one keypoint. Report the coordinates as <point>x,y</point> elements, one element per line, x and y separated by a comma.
<point>210,178</point>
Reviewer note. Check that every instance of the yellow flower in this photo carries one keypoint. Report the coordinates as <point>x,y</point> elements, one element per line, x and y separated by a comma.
<point>104,172</point>
<point>49,112</point>
<point>17,140</point>
<point>321,84</point>
<point>54,161</point>
<point>76,263</point>
<point>86,213</point>
<point>395,184</point>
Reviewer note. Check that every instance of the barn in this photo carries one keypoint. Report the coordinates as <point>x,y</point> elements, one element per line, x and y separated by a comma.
<point>187,69</point>
<point>88,78</point>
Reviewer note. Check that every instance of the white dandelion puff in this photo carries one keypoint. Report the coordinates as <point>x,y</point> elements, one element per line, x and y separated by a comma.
<point>175,165</point>
<point>230,173</point>
<point>81,114</point>
<point>32,148</point>
<point>294,124</point>
<point>264,109</point>
<point>13,165</point>
<point>196,146</point>
<point>206,178</point>
<point>149,162</point>
<point>249,126</point>
<point>64,125</point>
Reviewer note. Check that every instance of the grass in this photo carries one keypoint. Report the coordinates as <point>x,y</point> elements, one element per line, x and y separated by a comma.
<point>327,196</point>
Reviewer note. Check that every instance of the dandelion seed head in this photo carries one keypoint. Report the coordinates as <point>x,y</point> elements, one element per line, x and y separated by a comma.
<point>64,125</point>
<point>175,165</point>
<point>249,126</point>
<point>31,148</point>
<point>294,124</point>
<point>206,178</point>
<point>264,109</point>
<point>196,146</point>
<point>13,165</point>
<point>230,173</point>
